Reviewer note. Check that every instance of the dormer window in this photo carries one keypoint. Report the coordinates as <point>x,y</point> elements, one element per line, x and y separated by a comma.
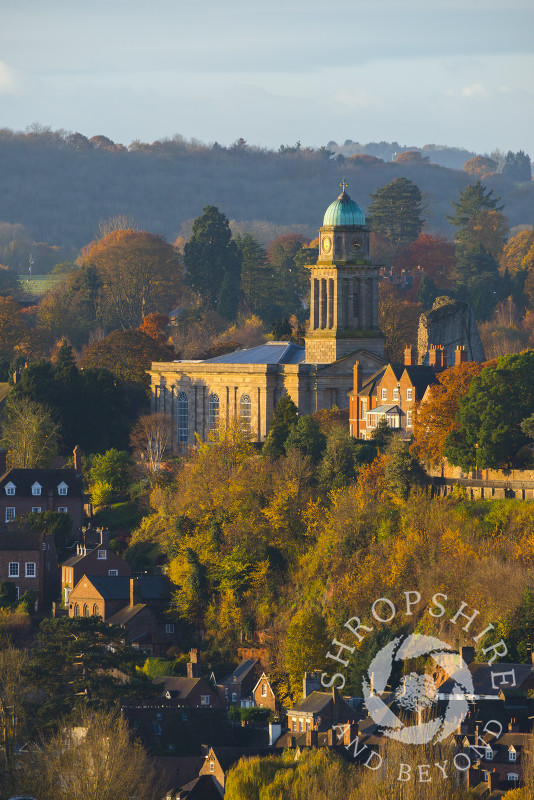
<point>512,754</point>
<point>101,555</point>
<point>36,488</point>
<point>62,488</point>
<point>489,754</point>
<point>10,488</point>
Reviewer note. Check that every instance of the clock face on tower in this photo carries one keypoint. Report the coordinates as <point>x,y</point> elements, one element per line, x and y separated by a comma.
<point>327,244</point>
<point>356,243</point>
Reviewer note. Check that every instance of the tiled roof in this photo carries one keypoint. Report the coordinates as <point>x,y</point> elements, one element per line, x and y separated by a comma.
<point>184,686</point>
<point>49,479</point>
<point>268,353</point>
<point>313,703</point>
<point>126,614</point>
<point>421,377</point>
<point>482,678</point>
<point>113,587</point>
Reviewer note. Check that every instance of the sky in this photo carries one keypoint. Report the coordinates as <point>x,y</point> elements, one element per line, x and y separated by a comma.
<point>448,72</point>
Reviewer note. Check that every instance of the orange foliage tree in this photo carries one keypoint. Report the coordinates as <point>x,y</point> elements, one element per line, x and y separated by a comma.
<point>480,166</point>
<point>435,255</point>
<point>140,274</point>
<point>12,328</point>
<point>435,417</point>
<point>518,253</point>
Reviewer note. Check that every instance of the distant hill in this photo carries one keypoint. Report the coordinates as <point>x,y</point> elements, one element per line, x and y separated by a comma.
<point>59,187</point>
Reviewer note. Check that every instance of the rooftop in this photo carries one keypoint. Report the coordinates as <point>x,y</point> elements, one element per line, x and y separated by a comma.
<point>268,353</point>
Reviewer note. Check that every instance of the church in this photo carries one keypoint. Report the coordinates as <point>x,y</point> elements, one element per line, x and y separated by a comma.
<point>342,332</point>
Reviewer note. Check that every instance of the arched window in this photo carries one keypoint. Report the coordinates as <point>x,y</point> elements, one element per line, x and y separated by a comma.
<point>96,611</point>
<point>76,610</point>
<point>245,412</point>
<point>213,415</point>
<point>182,419</point>
<point>85,610</point>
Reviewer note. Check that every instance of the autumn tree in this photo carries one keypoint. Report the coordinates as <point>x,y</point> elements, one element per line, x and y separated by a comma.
<point>398,319</point>
<point>150,440</point>
<point>13,714</point>
<point>518,253</point>
<point>155,325</point>
<point>140,274</point>
<point>126,354</point>
<point>12,328</point>
<point>213,262</point>
<point>471,202</point>
<point>305,647</point>
<point>396,212</point>
<point>436,416</point>
<point>480,166</point>
<point>487,229</point>
<point>433,254</point>
<point>29,435</point>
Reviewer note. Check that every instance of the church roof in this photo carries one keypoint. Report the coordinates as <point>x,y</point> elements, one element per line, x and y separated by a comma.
<point>344,211</point>
<point>268,353</point>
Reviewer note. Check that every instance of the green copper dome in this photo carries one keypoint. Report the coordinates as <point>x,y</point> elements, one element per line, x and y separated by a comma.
<point>344,211</point>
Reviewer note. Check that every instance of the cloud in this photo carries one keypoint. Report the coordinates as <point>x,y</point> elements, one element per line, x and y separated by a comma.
<point>10,82</point>
<point>475,90</point>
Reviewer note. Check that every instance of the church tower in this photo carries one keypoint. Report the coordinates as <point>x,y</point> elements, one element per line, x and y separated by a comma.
<point>344,288</point>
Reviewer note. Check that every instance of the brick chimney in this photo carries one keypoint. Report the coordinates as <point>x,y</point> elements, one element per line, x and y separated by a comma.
<point>77,453</point>
<point>350,733</point>
<point>513,726</point>
<point>135,591</point>
<point>193,665</point>
<point>104,537</point>
<point>311,683</point>
<point>409,356</point>
<point>330,737</point>
<point>435,357</point>
<point>460,355</point>
<point>357,377</point>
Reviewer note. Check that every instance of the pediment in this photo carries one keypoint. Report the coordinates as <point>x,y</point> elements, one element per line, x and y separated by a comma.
<point>369,364</point>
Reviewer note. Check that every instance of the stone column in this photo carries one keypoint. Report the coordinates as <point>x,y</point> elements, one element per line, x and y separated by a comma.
<point>348,302</point>
<point>375,302</point>
<point>363,303</point>
<point>322,303</point>
<point>330,302</point>
<point>314,304</point>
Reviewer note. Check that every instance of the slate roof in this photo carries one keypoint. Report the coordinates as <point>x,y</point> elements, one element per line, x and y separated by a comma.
<point>126,614</point>
<point>386,409</point>
<point>48,478</point>
<point>241,672</point>
<point>368,385</point>
<point>20,541</point>
<point>113,587</point>
<point>202,788</point>
<point>313,703</point>
<point>482,680</point>
<point>183,686</point>
<point>268,353</point>
<point>227,756</point>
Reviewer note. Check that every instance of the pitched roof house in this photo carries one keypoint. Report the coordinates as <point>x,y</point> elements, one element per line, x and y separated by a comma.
<point>29,560</point>
<point>100,560</point>
<point>188,692</point>
<point>236,686</point>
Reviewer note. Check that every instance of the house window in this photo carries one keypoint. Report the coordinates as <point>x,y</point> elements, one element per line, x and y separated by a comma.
<point>512,755</point>
<point>96,611</point>
<point>205,699</point>
<point>264,690</point>
<point>157,728</point>
<point>36,509</point>
<point>30,569</point>
<point>10,513</point>
<point>182,418</point>
<point>36,488</point>
<point>63,509</point>
<point>308,725</point>
<point>384,394</point>
<point>234,697</point>
<point>409,418</point>
<point>113,572</point>
<point>85,610</point>
<point>245,412</point>
<point>213,419</point>
<point>13,569</point>
<point>395,394</point>
<point>294,725</point>
<point>212,766</point>
<point>302,725</point>
<point>101,555</point>
<point>513,776</point>
<point>10,488</point>
<point>76,610</point>
<point>409,394</point>
<point>169,627</point>
<point>62,488</point>
<point>489,754</point>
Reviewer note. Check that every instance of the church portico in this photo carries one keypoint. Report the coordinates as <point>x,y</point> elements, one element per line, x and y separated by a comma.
<point>247,384</point>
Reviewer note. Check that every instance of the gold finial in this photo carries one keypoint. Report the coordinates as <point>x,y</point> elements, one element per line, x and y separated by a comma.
<point>343,184</point>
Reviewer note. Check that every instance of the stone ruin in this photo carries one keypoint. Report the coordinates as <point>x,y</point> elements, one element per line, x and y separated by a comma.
<point>452,324</point>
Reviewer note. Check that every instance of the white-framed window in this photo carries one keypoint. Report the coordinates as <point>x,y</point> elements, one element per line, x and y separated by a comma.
<point>395,394</point>
<point>302,726</point>
<point>113,572</point>
<point>182,418</point>
<point>10,488</point>
<point>409,418</point>
<point>13,569</point>
<point>10,513</point>
<point>264,690</point>
<point>409,394</point>
<point>62,488</point>
<point>36,509</point>
<point>169,627</point>
<point>31,570</point>
<point>384,394</point>
<point>245,412</point>
<point>512,755</point>
<point>513,776</point>
<point>486,776</point>
<point>63,509</point>
<point>205,699</point>
<point>294,725</point>
<point>489,754</point>
<point>213,412</point>
<point>101,555</point>
<point>36,488</point>
<point>234,697</point>
<point>212,766</point>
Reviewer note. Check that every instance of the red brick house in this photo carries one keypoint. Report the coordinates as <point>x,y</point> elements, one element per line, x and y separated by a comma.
<point>137,604</point>
<point>393,392</point>
<point>29,561</point>
<point>319,711</point>
<point>239,684</point>
<point>220,759</point>
<point>188,692</point>
<point>264,696</point>
<point>99,560</point>
<point>23,491</point>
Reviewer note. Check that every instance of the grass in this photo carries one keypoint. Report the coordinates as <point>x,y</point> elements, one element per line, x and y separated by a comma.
<point>40,284</point>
